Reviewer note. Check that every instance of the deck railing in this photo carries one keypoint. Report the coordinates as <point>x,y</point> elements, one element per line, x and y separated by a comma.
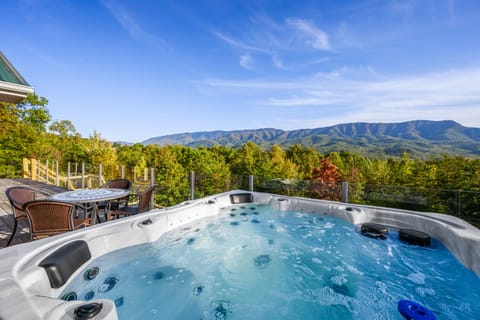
<point>173,188</point>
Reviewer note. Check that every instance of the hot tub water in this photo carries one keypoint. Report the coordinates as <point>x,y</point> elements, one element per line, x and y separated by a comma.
<point>255,262</point>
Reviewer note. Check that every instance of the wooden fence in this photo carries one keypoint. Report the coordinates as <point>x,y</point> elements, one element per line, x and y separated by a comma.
<point>48,172</point>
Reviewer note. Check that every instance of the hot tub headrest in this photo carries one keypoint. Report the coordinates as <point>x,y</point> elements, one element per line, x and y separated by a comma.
<point>241,198</point>
<point>63,262</point>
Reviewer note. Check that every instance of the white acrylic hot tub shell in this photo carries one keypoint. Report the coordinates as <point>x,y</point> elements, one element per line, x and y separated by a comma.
<point>25,289</point>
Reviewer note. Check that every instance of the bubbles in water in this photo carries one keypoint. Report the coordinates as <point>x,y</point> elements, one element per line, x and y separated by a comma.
<point>262,261</point>
<point>423,292</point>
<point>417,278</point>
<point>220,309</point>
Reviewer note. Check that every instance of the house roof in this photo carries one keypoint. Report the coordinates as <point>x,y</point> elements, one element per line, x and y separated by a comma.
<point>13,87</point>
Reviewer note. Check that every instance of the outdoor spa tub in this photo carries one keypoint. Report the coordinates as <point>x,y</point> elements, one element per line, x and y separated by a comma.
<point>244,255</point>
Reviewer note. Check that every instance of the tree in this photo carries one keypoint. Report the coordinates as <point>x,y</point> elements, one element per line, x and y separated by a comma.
<point>280,165</point>
<point>251,160</point>
<point>22,133</point>
<point>100,151</point>
<point>305,159</point>
<point>327,181</point>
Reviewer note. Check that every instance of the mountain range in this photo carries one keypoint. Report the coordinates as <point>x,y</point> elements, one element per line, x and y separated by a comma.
<point>420,138</point>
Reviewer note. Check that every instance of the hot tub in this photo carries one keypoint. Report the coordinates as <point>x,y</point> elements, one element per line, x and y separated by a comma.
<point>34,275</point>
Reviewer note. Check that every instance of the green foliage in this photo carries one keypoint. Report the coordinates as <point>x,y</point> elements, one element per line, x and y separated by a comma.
<point>433,184</point>
<point>22,133</point>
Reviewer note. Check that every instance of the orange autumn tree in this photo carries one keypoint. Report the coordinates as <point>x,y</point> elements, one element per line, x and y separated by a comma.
<point>326,181</point>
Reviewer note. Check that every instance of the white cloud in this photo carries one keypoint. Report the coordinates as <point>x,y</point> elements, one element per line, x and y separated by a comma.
<point>128,22</point>
<point>278,63</point>
<point>437,96</point>
<point>315,37</point>
<point>246,61</point>
<point>238,44</point>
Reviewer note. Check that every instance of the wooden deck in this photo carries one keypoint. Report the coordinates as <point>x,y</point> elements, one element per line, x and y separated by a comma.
<point>6,218</point>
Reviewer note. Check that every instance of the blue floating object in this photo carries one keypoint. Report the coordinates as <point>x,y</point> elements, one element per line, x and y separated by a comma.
<point>270,241</point>
<point>191,241</point>
<point>255,213</point>
<point>411,310</point>
<point>234,223</point>
<point>243,214</point>
<point>232,214</point>
<point>255,221</point>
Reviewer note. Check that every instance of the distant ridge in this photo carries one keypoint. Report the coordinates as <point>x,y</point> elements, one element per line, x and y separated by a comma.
<point>420,138</point>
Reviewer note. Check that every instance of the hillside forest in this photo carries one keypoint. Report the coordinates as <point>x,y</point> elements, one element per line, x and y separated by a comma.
<point>27,131</point>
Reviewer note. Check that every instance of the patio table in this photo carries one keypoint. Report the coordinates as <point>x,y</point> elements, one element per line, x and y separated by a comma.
<point>88,196</point>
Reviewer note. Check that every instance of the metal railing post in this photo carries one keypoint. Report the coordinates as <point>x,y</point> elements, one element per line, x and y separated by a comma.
<point>345,192</point>
<point>152,177</point>
<point>83,175</point>
<point>68,176</point>
<point>250,183</point>
<point>100,175</point>
<point>123,172</point>
<point>152,183</point>
<point>192,185</point>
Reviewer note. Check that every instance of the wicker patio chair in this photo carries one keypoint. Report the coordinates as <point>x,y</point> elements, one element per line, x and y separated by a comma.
<point>50,217</point>
<point>117,203</point>
<point>144,205</point>
<point>18,196</point>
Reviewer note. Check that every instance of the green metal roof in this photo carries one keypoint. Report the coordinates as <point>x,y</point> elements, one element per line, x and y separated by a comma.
<point>8,73</point>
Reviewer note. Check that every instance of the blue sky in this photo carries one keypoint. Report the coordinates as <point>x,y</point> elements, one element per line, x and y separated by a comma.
<point>132,70</point>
